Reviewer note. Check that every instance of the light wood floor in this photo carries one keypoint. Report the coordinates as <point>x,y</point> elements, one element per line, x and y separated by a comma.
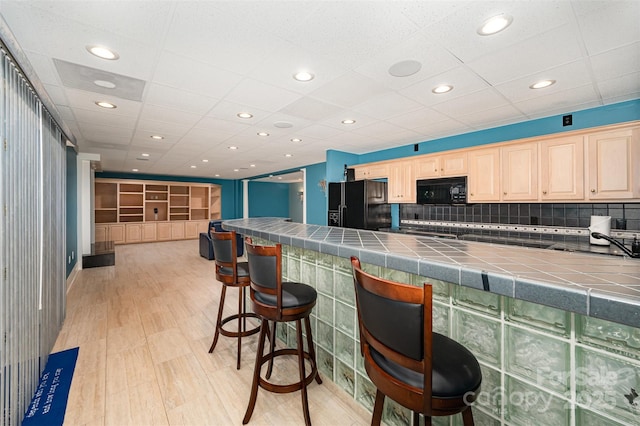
<point>144,327</point>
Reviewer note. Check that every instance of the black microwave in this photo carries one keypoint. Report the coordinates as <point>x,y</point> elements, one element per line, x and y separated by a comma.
<point>451,190</point>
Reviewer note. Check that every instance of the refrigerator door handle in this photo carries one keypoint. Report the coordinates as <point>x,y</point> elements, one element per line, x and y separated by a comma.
<point>341,209</point>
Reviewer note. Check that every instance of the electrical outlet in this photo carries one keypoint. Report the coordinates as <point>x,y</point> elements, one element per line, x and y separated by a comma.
<point>567,120</point>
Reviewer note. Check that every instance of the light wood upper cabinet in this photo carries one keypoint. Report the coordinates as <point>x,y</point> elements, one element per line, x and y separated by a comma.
<point>430,166</point>
<point>519,164</point>
<point>562,168</point>
<point>614,165</point>
<point>401,186</point>
<point>484,175</point>
<point>371,171</point>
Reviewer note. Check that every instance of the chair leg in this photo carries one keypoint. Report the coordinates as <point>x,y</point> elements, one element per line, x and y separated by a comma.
<point>240,329</point>
<point>377,409</point>
<point>303,390</point>
<point>467,417</point>
<point>219,320</point>
<point>311,348</point>
<point>272,347</point>
<point>256,373</point>
<point>416,419</point>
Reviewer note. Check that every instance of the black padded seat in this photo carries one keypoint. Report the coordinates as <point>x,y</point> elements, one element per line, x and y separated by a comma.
<point>242,269</point>
<point>293,295</point>
<point>455,369</point>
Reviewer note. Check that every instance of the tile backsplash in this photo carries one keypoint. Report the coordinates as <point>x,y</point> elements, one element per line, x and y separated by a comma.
<point>623,215</point>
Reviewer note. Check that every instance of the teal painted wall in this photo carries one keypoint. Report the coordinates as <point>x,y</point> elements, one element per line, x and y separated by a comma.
<point>336,160</point>
<point>72,209</point>
<point>316,194</point>
<point>231,189</point>
<point>267,199</point>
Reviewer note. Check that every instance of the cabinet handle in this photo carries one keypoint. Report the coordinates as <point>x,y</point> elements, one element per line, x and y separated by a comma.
<point>471,194</point>
<point>593,190</point>
<point>544,192</point>
<point>504,193</point>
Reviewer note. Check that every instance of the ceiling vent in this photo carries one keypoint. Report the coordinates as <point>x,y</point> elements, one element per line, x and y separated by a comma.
<point>94,80</point>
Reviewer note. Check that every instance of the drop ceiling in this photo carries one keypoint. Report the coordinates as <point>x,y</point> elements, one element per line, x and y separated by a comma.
<point>186,69</point>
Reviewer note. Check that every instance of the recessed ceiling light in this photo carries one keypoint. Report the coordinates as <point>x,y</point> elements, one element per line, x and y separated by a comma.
<point>348,121</point>
<point>244,115</point>
<point>442,88</point>
<point>144,154</point>
<point>233,147</point>
<point>157,137</point>
<point>296,140</point>
<point>280,177</point>
<point>103,52</point>
<point>236,170</point>
<point>263,134</point>
<point>495,24</point>
<point>134,170</point>
<point>193,167</point>
<point>542,84</point>
<point>405,68</point>
<point>217,175</point>
<point>107,105</point>
<point>105,84</point>
<point>252,165</point>
<point>205,161</point>
<point>288,155</point>
<point>303,76</point>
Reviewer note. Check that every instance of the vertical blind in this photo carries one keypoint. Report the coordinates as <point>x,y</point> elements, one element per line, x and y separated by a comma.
<point>32,239</point>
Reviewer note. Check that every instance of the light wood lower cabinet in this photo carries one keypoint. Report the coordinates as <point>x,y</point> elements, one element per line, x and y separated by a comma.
<point>163,231</point>
<point>127,233</point>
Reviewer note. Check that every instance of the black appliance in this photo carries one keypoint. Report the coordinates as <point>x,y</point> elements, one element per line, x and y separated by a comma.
<point>451,190</point>
<point>360,204</point>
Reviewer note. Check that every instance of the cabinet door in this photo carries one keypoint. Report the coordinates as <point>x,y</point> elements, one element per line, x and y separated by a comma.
<point>191,229</point>
<point>177,230</point>
<point>148,232</point>
<point>484,175</point>
<point>614,169</point>
<point>163,231</point>
<point>427,167</point>
<point>562,169</point>
<point>117,234</point>
<point>372,171</point>
<point>133,232</point>
<point>100,234</point>
<point>454,164</point>
<point>401,187</point>
<point>519,165</point>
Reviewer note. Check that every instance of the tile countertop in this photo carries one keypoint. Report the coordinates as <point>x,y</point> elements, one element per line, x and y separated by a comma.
<point>600,286</point>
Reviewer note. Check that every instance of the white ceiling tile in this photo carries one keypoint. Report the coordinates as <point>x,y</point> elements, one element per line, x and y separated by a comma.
<point>260,95</point>
<point>473,102</point>
<point>458,32</point>
<point>170,131</point>
<point>179,99</point>
<point>616,62</point>
<point>310,109</point>
<point>79,99</point>
<point>169,115</point>
<point>443,128</point>
<point>490,117</point>
<point>434,60</point>
<point>226,110</point>
<point>558,101</point>
<point>620,89</point>
<point>567,76</point>
<point>319,131</point>
<point>462,79</point>
<point>212,124</point>
<point>348,90</point>
<point>418,118</point>
<point>195,76</point>
<point>387,105</point>
<point>105,118</point>
<point>613,25</point>
<point>538,53</point>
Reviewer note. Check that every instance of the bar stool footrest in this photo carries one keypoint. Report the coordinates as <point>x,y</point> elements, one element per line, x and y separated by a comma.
<point>234,317</point>
<point>292,387</point>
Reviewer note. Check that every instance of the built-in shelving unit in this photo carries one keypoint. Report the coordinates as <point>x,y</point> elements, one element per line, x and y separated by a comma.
<point>128,211</point>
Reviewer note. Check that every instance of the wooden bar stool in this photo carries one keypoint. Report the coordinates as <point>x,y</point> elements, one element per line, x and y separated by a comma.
<point>231,273</point>
<point>424,371</point>
<point>277,301</point>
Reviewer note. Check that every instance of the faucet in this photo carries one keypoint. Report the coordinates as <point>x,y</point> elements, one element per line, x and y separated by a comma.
<point>635,246</point>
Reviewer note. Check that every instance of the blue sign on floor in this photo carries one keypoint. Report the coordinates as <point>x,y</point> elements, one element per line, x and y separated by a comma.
<point>49,402</point>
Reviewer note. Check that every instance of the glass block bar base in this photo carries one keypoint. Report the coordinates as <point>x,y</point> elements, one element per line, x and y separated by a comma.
<point>540,365</point>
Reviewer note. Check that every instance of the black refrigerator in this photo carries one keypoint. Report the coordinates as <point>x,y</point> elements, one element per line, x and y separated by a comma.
<point>360,204</point>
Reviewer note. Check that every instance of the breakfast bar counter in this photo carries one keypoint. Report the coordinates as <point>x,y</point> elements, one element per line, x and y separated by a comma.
<point>557,333</point>
<point>600,286</point>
